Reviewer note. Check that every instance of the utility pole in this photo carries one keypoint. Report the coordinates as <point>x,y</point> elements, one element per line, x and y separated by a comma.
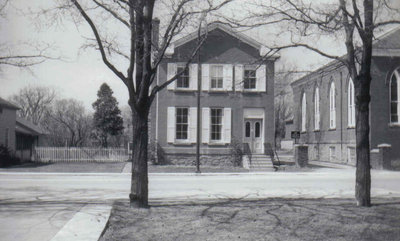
<point>198,105</point>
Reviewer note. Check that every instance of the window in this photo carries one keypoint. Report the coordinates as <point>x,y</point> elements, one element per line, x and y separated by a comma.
<point>257,134</point>
<point>332,106</point>
<point>303,112</point>
<point>183,79</point>
<point>7,137</point>
<point>249,79</point>
<point>351,154</point>
<point>247,129</point>
<point>216,124</point>
<point>316,109</point>
<point>394,97</point>
<point>351,110</point>
<point>181,123</point>
<point>217,77</point>
<point>332,153</point>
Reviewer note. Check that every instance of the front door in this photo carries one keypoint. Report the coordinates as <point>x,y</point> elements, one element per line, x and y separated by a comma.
<point>253,134</point>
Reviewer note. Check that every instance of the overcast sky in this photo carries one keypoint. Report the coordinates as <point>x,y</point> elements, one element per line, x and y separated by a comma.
<point>81,73</point>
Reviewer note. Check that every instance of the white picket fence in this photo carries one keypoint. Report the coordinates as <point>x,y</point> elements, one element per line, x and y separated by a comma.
<point>76,154</point>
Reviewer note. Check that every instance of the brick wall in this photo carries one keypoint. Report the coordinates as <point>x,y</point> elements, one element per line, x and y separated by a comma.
<point>220,48</point>
<point>341,141</point>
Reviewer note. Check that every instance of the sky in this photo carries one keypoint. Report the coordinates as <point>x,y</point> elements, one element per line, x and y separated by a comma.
<point>81,72</point>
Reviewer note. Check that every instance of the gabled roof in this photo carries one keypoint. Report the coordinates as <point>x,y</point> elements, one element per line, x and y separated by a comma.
<point>7,104</point>
<point>224,28</point>
<point>388,44</point>
<point>26,127</point>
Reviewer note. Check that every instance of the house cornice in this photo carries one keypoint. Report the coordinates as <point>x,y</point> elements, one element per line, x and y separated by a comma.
<point>242,37</point>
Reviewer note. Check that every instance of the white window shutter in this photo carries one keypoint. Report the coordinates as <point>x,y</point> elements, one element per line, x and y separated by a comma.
<point>171,72</point>
<point>193,76</point>
<point>239,77</point>
<point>171,125</point>
<point>205,134</point>
<point>193,124</point>
<point>261,78</point>
<point>226,125</point>
<point>205,77</point>
<point>227,73</point>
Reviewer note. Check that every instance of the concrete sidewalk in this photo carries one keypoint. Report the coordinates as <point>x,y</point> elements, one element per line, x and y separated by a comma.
<point>86,225</point>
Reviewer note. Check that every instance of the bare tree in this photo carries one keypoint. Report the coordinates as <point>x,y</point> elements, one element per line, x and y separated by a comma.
<point>141,52</point>
<point>37,53</point>
<point>68,123</point>
<point>354,21</point>
<point>34,102</point>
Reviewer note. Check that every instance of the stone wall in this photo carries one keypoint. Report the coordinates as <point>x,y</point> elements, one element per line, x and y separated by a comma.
<point>205,160</point>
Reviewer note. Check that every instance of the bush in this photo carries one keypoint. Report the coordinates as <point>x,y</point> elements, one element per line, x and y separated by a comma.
<point>236,153</point>
<point>156,154</point>
<point>7,158</point>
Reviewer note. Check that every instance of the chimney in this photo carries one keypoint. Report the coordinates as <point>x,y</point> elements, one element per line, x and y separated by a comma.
<point>155,32</point>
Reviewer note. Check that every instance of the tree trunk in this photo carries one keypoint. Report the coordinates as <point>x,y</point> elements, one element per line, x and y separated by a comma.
<point>363,173</point>
<point>139,180</point>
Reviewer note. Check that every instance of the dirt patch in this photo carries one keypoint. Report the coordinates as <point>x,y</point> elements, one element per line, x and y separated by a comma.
<point>82,167</point>
<point>271,219</point>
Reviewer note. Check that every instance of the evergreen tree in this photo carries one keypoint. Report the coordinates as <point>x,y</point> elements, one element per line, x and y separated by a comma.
<point>107,116</point>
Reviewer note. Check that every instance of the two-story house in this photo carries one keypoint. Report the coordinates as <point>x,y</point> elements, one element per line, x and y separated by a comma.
<point>236,98</point>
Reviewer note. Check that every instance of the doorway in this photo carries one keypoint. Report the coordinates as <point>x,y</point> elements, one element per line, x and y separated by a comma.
<point>253,134</point>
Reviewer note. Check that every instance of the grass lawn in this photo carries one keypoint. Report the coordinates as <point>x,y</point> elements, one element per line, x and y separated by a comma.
<point>85,167</point>
<point>270,219</point>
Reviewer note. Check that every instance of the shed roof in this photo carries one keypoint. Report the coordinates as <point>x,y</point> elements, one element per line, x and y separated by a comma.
<point>26,127</point>
<point>6,104</point>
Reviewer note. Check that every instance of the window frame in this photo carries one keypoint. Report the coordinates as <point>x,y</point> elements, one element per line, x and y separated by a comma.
<point>218,125</point>
<point>185,75</point>
<point>351,115</point>
<point>332,106</point>
<point>396,74</point>
<point>317,114</point>
<point>250,78</point>
<point>181,124</point>
<point>218,79</point>
<point>304,112</point>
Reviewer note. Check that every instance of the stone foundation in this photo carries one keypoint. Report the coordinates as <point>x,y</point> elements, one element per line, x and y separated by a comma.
<point>205,160</point>
<point>335,153</point>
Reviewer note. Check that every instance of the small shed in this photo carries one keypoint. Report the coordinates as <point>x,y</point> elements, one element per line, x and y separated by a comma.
<point>27,137</point>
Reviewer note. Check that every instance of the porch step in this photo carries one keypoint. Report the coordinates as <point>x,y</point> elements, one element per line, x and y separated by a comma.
<point>261,163</point>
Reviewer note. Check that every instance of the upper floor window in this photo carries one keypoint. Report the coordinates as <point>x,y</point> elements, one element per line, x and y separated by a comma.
<point>394,97</point>
<point>249,79</point>
<point>332,106</point>
<point>182,123</point>
<point>303,112</point>
<point>351,110</point>
<point>217,76</point>
<point>183,78</point>
<point>316,109</point>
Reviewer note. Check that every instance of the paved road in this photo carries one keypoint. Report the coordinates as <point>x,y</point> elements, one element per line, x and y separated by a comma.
<point>34,206</point>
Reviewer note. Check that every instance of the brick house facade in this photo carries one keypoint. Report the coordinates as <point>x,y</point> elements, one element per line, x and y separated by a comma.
<point>237,98</point>
<point>325,108</point>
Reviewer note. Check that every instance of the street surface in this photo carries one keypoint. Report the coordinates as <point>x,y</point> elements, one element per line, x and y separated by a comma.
<point>35,206</point>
